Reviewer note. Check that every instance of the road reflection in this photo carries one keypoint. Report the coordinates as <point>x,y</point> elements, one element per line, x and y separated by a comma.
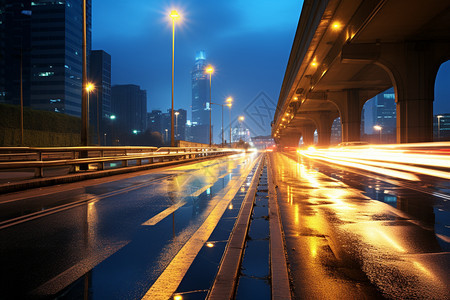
<point>334,230</point>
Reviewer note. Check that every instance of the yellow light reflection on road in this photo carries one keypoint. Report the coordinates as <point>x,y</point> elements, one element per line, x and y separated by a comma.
<point>296,214</point>
<point>413,158</point>
<point>349,163</point>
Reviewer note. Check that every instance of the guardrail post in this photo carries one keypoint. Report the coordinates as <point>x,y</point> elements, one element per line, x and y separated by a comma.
<point>39,172</point>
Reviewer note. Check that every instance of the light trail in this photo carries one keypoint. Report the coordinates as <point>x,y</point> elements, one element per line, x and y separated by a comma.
<point>399,160</point>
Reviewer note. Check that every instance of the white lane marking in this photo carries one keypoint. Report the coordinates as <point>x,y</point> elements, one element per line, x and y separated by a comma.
<point>159,217</point>
<point>199,191</point>
<point>168,282</point>
<point>70,275</point>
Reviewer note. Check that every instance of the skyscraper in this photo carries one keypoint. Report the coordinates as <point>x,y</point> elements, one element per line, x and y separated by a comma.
<point>200,91</point>
<point>200,100</point>
<point>15,46</point>
<point>100,97</point>
<point>47,35</point>
<point>386,111</point>
<point>129,105</point>
<point>56,55</point>
<point>154,119</point>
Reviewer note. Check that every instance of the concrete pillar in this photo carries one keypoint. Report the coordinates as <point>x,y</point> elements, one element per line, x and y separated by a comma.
<point>308,134</point>
<point>412,67</point>
<point>289,139</point>
<point>350,104</point>
<point>324,121</point>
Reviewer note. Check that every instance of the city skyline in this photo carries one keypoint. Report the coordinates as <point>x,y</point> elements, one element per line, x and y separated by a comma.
<point>249,55</point>
<point>249,48</point>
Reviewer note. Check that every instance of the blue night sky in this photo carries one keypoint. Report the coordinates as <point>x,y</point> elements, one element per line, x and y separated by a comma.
<point>247,41</point>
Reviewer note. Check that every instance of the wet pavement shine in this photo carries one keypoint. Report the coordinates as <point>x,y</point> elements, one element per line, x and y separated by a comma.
<point>115,239</point>
<point>353,236</point>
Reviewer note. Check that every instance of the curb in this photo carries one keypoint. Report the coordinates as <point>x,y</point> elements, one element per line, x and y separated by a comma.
<point>224,286</point>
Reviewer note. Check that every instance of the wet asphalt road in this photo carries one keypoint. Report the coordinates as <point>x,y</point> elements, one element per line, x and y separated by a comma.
<point>353,236</point>
<point>114,237</point>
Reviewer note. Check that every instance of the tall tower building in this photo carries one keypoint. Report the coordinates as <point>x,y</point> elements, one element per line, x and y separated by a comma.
<point>56,55</point>
<point>200,100</point>
<point>100,97</point>
<point>386,111</point>
<point>200,91</point>
<point>15,39</point>
<point>46,36</point>
<point>129,105</point>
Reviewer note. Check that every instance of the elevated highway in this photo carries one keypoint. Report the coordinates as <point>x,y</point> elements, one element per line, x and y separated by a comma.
<point>347,51</point>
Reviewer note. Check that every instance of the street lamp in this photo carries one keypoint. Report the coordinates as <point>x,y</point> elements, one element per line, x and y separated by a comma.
<point>174,15</point>
<point>222,118</point>
<point>439,126</point>
<point>378,127</point>
<point>241,119</point>
<point>84,83</point>
<point>89,88</point>
<point>209,69</point>
<point>176,123</point>
<point>112,118</point>
<point>229,101</point>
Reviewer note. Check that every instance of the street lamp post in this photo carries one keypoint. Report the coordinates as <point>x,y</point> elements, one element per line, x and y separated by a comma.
<point>210,70</point>
<point>176,123</point>
<point>222,118</point>
<point>241,119</point>
<point>379,128</point>
<point>112,118</point>
<point>174,15</point>
<point>229,101</point>
<point>439,126</point>
<point>84,96</point>
<point>90,87</point>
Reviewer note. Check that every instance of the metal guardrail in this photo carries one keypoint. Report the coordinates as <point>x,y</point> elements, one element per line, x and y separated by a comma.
<point>19,158</point>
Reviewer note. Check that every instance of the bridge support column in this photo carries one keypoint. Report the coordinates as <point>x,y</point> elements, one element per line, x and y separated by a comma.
<point>289,140</point>
<point>412,67</point>
<point>324,121</point>
<point>350,104</point>
<point>308,135</point>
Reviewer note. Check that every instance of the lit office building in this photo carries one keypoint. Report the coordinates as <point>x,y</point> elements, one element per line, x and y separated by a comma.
<point>129,105</point>
<point>100,97</point>
<point>441,127</point>
<point>56,54</point>
<point>200,100</point>
<point>15,47</point>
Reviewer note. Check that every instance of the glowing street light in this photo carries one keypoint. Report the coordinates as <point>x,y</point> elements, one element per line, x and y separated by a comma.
<point>210,70</point>
<point>174,16</point>
<point>222,118</point>
<point>84,83</point>
<point>176,123</point>
<point>241,119</point>
<point>378,127</point>
<point>89,88</point>
<point>229,104</point>
<point>439,126</point>
<point>112,118</point>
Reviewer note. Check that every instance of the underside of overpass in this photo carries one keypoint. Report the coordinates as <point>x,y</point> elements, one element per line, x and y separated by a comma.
<point>348,51</point>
